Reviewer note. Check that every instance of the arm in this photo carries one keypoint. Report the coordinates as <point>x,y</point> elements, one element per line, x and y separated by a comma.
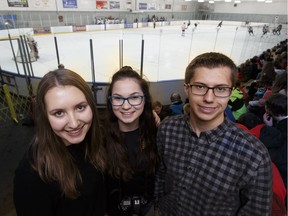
<point>32,197</point>
<point>160,174</point>
<point>156,118</point>
<point>256,198</point>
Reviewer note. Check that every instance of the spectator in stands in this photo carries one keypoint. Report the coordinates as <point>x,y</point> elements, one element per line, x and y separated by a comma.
<point>131,144</point>
<point>236,101</point>
<point>280,84</point>
<point>208,165</point>
<point>251,123</point>
<point>177,104</point>
<point>249,120</point>
<point>268,75</point>
<point>280,63</point>
<point>276,116</point>
<point>186,109</point>
<point>162,111</point>
<point>62,171</point>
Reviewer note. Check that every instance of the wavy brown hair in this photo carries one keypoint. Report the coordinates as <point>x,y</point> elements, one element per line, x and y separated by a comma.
<point>118,163</point>
<point>50,156</point>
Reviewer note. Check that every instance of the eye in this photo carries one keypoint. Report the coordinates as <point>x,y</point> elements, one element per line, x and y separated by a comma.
<point>117,98</point>
<point>221,89</point>
<point>201,87</point>
<point>81,107</point>
<point>58,113</point>
<point>136,97</point>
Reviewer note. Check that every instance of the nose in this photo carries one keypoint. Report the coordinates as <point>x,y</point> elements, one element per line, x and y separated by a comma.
<point>209,96</point>
<point>126,104</point>
<point>73,120</point>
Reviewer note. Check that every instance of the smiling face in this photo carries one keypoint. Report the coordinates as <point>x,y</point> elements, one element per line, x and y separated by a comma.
<point>207,111</point>
<point>128,116</point>
<point>69,113</point>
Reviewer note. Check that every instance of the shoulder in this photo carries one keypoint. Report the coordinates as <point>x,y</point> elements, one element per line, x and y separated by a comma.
<point>25,174</point>
<point>247,145</point>
<point>171,121</point>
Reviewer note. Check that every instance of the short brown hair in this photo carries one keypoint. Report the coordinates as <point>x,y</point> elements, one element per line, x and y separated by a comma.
<point>211,60</point>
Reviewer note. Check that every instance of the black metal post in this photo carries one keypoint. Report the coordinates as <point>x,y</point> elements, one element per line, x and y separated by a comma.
<point>94,85</point>
<point>121,53</point>
<point>142,57</point>
<point>57,53</point>
<point>25,52</point>
<point>21,55</point>
<point>29,57</point>
<point>12,48</point>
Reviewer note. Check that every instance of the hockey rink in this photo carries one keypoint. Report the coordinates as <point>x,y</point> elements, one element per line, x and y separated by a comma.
<point>165,56</point>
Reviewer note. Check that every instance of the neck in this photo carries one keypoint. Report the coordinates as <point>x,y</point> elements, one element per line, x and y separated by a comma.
<point>200,125</point>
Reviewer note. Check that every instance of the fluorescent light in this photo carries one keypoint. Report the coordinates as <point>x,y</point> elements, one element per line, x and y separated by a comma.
<point>228,0</point>
<point>260,0</point>
<point>268,1</point>
<point>211,2</point>
<point>200,0</point>
<point>237,1</point>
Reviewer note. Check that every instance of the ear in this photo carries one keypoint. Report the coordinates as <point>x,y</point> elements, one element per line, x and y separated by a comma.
<point>186,89</point>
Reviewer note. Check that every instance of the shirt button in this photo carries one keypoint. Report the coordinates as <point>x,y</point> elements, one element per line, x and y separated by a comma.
<point>190,168</point>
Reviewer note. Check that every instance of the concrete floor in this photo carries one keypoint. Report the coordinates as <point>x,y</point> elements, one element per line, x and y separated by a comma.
<point>14,142</point>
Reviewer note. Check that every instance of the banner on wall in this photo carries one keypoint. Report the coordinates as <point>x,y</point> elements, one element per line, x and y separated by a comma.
<point>129,5</point>
<point>167,6</point>
<point>142,6</point>
<point>42,3</point>
<point>17,3</point>
<point>8,21</point>
<point>114,5</point>
<point>151,6</point>
<point>184,7</point>
<point>69,3</point>
<point>101,4</point>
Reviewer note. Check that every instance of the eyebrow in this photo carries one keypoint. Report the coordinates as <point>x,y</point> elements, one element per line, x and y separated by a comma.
<point>61,109</point>
<point>218,85</point>
<point>132,94</point>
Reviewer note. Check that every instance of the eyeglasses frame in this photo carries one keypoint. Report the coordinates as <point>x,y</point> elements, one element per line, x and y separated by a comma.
<point>126,99</point>
<point>208,88</point>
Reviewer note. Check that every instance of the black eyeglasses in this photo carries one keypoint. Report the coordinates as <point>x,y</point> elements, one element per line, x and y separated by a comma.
<point>134,100</point>
<point>201,90</point>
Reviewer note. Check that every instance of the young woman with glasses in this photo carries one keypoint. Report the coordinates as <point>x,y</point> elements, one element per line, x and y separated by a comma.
<point>131,145</point>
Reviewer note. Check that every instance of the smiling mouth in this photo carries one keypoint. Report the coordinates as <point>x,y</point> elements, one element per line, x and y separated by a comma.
<point>76,131</point>
<point>127,113</point>
<point>207,109</point>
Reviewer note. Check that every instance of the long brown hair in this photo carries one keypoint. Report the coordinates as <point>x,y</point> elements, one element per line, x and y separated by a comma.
<point>118,164</point>
<point>50,157</point>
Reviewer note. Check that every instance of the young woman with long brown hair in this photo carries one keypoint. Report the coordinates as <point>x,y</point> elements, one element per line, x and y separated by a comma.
<point>131,145</point>
<point>62,171</point>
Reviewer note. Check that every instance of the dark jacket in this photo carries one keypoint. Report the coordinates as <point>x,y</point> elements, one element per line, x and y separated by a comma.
<point>275,139</point>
